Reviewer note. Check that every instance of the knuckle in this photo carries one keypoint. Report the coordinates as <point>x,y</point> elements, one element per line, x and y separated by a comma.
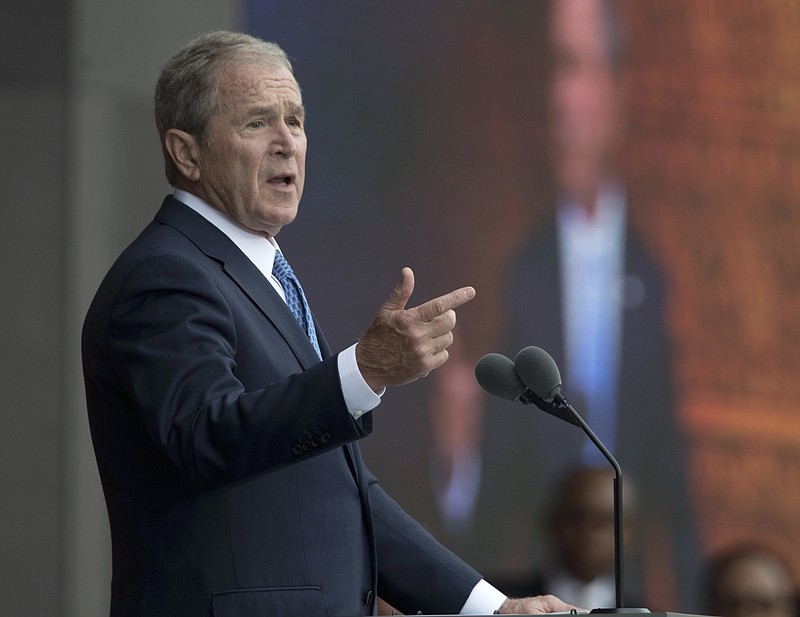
<point>416,335</point>
<point>404,323</point>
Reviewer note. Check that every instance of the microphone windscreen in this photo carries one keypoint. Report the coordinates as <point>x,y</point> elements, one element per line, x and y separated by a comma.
<point>495,374</point>
<point>538,371</point>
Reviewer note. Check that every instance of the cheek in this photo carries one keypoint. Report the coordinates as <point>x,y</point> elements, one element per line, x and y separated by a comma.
<point>225,168</point>
<point>301,175</point>
<point>301,155</point>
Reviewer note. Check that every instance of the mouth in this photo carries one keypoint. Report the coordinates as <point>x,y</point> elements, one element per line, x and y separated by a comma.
<point>282,181</point>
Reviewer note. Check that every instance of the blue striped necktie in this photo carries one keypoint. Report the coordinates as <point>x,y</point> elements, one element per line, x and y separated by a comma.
<point>295,298</point>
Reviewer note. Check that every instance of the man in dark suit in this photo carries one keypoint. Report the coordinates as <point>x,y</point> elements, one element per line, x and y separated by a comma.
<point>223,425</point>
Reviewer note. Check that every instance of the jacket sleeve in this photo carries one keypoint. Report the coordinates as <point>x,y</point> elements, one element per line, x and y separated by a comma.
<point>415,572</point>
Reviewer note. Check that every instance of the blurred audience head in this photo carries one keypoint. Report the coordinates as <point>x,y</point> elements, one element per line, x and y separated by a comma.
<point>750,581</point>
<point>581,522</point>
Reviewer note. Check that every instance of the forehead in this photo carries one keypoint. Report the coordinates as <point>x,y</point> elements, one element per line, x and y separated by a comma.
<point>757,572</point>
<point>578,25</point>
<point>256,83</point>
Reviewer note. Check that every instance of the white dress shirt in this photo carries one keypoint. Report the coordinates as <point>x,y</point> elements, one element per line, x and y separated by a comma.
<point>592,252</point>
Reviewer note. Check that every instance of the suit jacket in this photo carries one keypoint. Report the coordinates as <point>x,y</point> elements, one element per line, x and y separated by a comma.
<point>233,482</point>
<point>527,450</point>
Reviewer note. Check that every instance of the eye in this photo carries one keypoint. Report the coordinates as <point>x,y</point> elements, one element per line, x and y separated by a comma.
<point>294,122</point>
<point>256,124</point>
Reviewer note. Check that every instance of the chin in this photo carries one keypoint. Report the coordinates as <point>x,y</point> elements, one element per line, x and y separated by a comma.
<point>280,219</point>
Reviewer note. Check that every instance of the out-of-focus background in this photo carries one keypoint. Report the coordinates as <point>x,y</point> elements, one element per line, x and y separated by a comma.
<point>430,131</point>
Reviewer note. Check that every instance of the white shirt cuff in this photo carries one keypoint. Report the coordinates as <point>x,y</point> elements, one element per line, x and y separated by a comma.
<point>483,600</point>
<point>358,396</point>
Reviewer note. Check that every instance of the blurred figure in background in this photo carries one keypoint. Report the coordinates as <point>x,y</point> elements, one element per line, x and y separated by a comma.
<point>750,581</point>
<point>586,289</point>
<point>580,538</point>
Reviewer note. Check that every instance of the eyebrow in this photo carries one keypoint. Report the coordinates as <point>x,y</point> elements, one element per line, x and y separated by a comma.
<point>296,109</point>
<point>293,109</point>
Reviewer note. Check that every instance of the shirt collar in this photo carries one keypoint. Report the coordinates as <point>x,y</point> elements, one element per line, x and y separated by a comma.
<point>257,248</point>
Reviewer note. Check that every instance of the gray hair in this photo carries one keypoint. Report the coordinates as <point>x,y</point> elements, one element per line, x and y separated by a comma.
<point>186,92</point>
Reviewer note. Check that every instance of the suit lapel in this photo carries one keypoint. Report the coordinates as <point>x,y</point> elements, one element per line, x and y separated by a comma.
<point>216,245</point>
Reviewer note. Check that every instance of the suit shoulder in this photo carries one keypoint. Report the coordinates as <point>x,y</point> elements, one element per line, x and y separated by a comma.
<point>159,258</point>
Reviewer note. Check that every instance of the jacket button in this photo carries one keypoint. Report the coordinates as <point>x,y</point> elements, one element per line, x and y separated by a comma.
<point>325,437</point>
<point>307,446</point>
<point>370,597</point>
<point>297,448</point>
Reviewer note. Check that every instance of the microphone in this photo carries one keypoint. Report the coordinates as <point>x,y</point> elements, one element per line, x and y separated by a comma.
<point>537,369</point>
<point>495,374</point>
<point>535,378</point>
<point>498,375</point>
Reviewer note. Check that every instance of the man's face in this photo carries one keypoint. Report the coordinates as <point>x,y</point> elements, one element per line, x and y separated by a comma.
<point>584,97</point>
<point>583,527</point>
<point>252,165</point>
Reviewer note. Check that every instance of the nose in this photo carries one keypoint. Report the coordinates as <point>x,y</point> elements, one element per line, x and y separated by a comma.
<point>283,141</point>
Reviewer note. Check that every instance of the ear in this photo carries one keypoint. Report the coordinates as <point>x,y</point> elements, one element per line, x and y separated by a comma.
<point>184,152</point>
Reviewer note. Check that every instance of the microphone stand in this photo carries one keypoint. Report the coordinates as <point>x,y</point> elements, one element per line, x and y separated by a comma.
<point>559,407</point>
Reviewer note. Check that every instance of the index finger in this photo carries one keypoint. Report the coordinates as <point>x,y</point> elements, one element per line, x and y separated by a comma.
<point>437,306</point>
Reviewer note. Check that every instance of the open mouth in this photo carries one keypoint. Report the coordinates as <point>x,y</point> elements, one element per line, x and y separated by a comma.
<point>282,180</point>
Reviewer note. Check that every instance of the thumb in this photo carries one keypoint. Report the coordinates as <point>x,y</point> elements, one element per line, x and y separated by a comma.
<point>402,292</point>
